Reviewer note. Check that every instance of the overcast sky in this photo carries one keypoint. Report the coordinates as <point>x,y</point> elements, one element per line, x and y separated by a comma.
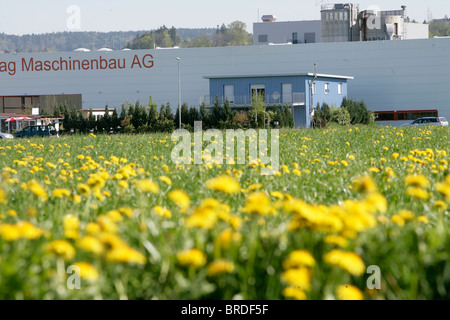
<point>41,16</point>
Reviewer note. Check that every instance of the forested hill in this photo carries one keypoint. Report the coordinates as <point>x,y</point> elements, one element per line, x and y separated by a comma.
<point>69,41</point>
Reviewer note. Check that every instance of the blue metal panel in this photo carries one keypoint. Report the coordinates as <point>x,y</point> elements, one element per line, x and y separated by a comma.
<point>300,117</point>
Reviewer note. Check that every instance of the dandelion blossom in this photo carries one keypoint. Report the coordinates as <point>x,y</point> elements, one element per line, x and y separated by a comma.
<point>179,198</point>
<point>348,261</point>
<point>193,258</point>
<point>299,258</point>
<point>219,267</point>
<point>224,184</point>
<point>349,292</point>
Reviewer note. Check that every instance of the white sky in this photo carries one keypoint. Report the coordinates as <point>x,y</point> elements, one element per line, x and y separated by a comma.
<point>41,16</point>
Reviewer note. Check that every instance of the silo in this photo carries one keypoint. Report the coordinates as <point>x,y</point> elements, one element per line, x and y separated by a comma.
<point>339,22</point>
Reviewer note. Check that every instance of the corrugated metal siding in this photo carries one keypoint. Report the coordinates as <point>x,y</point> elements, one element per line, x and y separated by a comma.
<point>407,74</point>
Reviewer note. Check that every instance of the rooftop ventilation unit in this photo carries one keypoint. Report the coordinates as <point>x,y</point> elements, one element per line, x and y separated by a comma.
<point>105,49</point>
<point>268,18</point>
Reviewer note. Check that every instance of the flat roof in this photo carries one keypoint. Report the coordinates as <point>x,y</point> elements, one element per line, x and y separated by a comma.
<point>320,75</point>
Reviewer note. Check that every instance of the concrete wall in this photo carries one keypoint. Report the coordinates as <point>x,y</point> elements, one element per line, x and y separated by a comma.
<point>389,75</point>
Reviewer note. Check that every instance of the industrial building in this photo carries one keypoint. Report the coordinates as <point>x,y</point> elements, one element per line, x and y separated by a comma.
<point>341,22</point>
<point>389,76</point>
<point>386,75</point>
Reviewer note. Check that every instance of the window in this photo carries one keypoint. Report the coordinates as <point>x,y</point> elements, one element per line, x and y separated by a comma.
<point>326,88</point>
<point>286,89</point>
<point>310,37</point>
<point>228,92</point>
<point>294,38</point>
<point>262,38</point>
<point>258,92</point>
<point>339,88</point>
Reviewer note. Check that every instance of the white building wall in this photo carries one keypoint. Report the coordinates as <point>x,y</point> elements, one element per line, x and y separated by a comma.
<point>281,32</point>
<point>416,30</point>
<point>389,75</point>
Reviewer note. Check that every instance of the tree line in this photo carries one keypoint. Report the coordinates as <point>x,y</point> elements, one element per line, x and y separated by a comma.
<point>234,34</point>
<point>148,118</point>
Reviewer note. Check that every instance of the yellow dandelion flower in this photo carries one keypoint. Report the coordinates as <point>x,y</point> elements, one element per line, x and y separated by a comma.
<point>147,186</point>
<point>126,211</point>
<point>219,267</point>
<point>375,202</point>
<point>395,155</point>
<point>294,293</point>
<point>407,215</point>
<point>277,194</point>
<point>298,277</point>
<point>348,261</point>
<point>3,196</point>
<point>90,244</point>
<point>398,220</point>
<point>422,219</point>
<point>179,198</point>
<point>61,193</point>
<point>365,184</point>
<point>107,223</point>
<point>162,212</point>
<point>166,180</point>
<point>87,271</point>
<point>71,225</point>
<point>225,184</point>
<point>12,213</point>
<point>299,258</point>
<point>114,215</point>
<point>227,237</point>
<point>417,193</point>
<point>123,184</point>
<point>32,212</point>
<point>29,231</point>
<point>235,222</point>
<point>125,254</point>
<point>349,292</point>
<point>444,189</point>
<point>259,203</point>
<point>440,205</point>
<point>61,248</point>
<point>9,232</point>
<point>417,181</point>
<point>37,189</point>
<point>192,258</point>
<point>92,228</point>
<point>336,240</point>
<point>111,241</point>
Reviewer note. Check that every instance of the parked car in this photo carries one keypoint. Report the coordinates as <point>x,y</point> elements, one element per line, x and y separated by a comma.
<point>4,135</point>
<point>428,121</point>
<point>37,131</point>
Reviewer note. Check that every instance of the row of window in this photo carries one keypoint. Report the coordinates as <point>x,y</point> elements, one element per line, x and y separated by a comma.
<point>326,88</point>
<point>336,16</point>
<point>309,37</point>
<point>286,89</point>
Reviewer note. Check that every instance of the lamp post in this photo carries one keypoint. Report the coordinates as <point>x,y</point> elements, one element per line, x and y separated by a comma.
<point>179,93</point>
